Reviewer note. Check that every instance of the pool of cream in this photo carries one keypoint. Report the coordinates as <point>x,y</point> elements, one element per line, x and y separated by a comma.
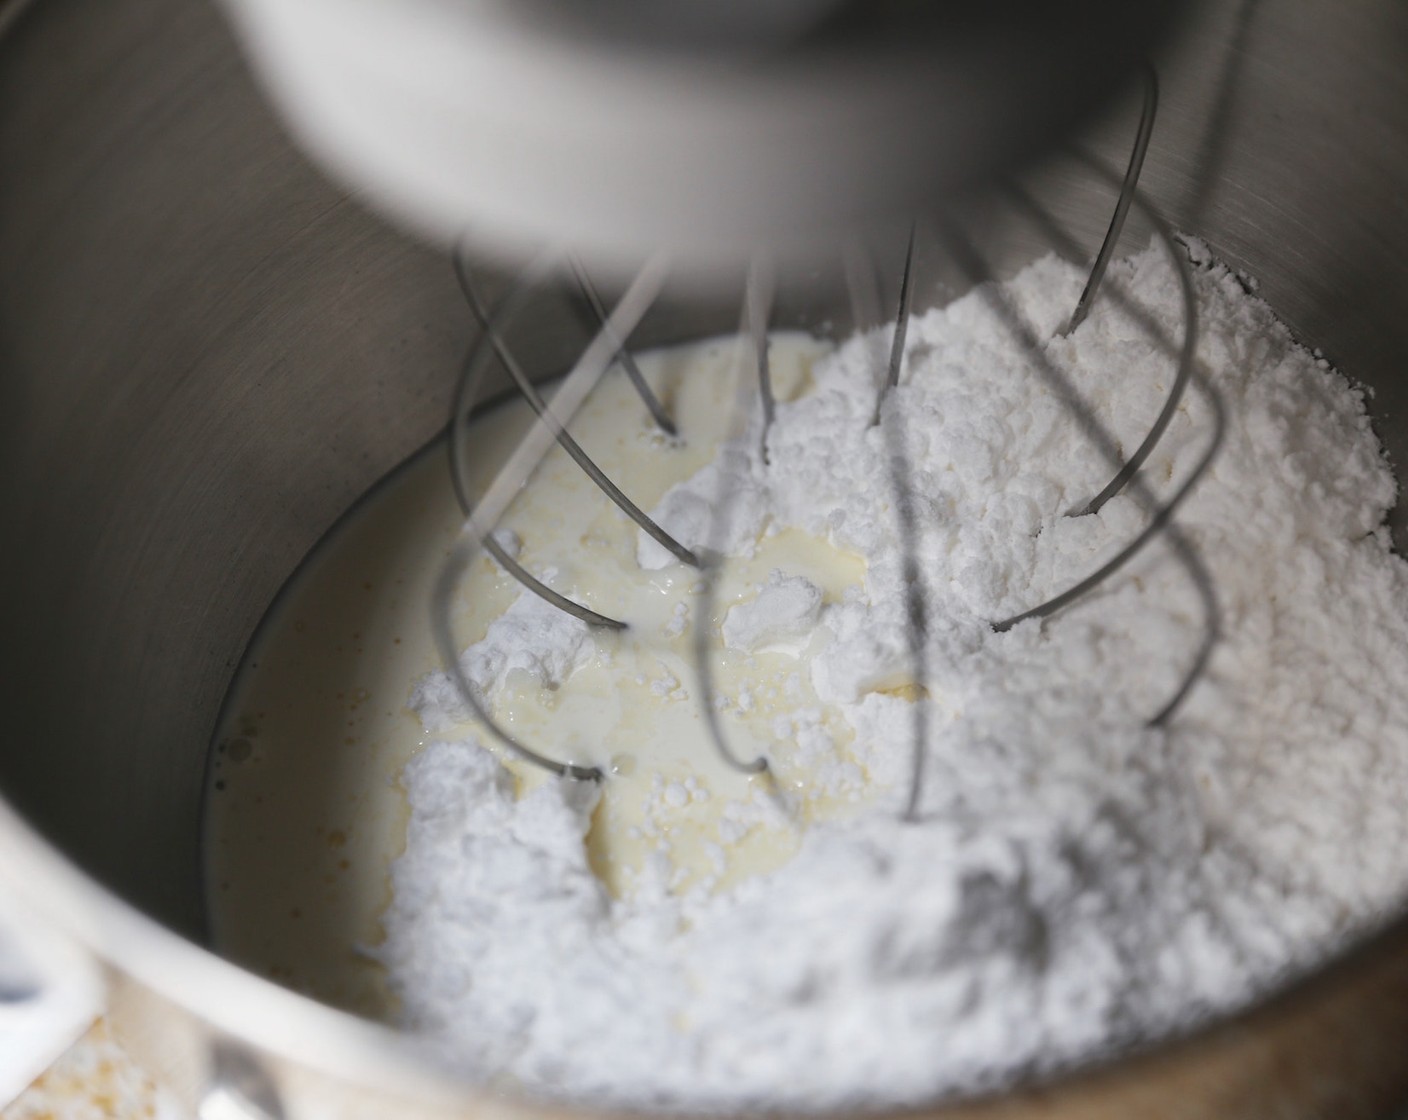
<point>305,814</point>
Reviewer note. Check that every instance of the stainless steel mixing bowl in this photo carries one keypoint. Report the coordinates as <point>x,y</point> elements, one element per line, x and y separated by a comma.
<point>208,353</point>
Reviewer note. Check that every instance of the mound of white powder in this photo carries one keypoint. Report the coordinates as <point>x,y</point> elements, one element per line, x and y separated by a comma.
<point>1078,880</point>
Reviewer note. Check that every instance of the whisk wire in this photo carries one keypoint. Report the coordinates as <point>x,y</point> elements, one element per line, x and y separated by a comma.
<point>609,344</point>
<point>623,355</point>
<point>916,605</point>
<point>759,290</point>
<point>1186,348</point>
<point>705,599</point>
<point>901,332</point>
<point>1133,170</point>
<point>568,444</point>
<point>481,519</point>
<point>1161,514</point>
<point>757,306</point>
<point>467,394</point>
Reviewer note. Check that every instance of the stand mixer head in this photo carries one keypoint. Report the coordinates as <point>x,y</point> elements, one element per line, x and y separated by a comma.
<point>709,130</point>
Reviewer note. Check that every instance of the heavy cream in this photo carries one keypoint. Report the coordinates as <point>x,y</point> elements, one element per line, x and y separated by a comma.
<point>307,812</point>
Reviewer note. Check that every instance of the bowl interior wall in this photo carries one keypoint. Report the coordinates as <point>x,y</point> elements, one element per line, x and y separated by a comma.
<point>209,352</point>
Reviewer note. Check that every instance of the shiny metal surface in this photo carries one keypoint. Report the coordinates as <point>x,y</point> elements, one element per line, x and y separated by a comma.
<point>207,352</point>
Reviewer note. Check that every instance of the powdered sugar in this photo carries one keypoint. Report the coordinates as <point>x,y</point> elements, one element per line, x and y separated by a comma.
<point>785,609</point>
<point>1078,880</point>
<point>532,637</point>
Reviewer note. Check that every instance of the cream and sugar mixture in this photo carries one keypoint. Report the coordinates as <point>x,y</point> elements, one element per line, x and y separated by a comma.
<point>1076,880</point>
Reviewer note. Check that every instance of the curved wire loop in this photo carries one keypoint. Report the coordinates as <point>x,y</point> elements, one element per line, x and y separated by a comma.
<point>864,296</point>
<point>1128,196</point>
<point>530,393</point>
<point>758,292</point>
<point>916,606</point>
<point>1142,136</point>
<point>1105,443</point>
<point>704,601</point>
<point>901,332</point>
<point>1126,472</point>
<point>757,307</point>
<point>480,519</point>
<point>1186,348</point>
<point>467,394</point>
<point>1161,514</point>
